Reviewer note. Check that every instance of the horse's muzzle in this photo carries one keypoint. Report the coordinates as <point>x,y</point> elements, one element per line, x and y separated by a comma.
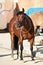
<point>18,25</point>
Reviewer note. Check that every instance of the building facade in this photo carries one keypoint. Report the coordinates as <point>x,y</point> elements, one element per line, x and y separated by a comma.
<point>7,7</point>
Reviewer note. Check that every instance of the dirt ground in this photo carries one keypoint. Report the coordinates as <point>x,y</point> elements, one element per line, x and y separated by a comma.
<point>5,53</point>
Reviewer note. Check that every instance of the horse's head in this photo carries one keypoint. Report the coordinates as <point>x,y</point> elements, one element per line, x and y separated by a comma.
<point>19,18</point>
<point>24,20</point>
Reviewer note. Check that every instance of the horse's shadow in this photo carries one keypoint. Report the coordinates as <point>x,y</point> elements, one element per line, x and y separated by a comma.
<point>8,54</point>
<point>40,50</point>
<point>39,59</point>
<point>5,55</point>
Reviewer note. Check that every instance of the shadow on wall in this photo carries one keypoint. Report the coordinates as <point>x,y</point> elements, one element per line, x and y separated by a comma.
<point>36,18</point>
<point>6,30</point>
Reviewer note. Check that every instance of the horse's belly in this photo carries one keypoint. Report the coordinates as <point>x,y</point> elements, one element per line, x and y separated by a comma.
<point>27,36</point>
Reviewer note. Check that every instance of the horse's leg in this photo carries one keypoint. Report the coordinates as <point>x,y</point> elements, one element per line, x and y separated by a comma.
<point>17,51</point>
<point>12,45</point>
<point>16,45</point>
<point>21,48</point>
<point>31,47</point>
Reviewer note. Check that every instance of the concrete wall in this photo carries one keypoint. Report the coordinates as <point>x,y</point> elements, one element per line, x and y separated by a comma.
<point>9,6</point>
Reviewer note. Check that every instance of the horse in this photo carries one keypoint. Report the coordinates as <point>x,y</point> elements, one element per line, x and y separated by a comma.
<point>22,26</point>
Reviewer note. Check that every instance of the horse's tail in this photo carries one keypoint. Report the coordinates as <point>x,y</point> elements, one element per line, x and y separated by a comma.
<point>35,31</point>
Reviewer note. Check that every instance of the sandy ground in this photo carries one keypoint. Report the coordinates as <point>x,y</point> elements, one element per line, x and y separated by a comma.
<point>5,52</point>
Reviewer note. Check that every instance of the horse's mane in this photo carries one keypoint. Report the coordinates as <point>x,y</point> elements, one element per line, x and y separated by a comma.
<point>20,12</point>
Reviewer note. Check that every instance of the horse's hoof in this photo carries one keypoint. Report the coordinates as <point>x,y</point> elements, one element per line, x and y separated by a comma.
<point>12,58</point>
<point>17,57</point>
<point>32,59</point>
<point>21,58</point>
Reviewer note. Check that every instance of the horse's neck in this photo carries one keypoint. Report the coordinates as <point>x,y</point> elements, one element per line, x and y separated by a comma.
<point>26,24</point>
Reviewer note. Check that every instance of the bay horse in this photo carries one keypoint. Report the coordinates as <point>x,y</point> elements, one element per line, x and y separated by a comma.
<point>22,26</point>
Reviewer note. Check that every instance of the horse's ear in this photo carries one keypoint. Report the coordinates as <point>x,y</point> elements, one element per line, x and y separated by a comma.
<point>23,10</point>
<point>16,10</point>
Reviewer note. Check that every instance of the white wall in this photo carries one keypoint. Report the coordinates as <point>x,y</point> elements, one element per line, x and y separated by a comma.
<point>5,40</point>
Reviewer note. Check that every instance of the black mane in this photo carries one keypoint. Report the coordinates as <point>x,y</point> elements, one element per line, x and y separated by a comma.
<point>20,12</point>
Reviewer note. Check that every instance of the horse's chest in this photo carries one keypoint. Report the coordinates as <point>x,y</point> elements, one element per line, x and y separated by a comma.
<point>25,35</point>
